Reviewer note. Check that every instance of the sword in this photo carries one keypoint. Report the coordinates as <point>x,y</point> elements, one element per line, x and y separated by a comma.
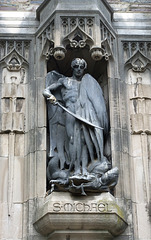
<point>74,115</point>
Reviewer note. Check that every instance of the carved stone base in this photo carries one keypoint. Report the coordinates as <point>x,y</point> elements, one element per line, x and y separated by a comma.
<point>82,217</point>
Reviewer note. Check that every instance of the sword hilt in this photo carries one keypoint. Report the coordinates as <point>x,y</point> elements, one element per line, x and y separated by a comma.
<point>52,100</point>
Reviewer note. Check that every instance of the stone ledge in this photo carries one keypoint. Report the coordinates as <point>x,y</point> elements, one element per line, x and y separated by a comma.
<point>81,235</point>
<point>99,214</point>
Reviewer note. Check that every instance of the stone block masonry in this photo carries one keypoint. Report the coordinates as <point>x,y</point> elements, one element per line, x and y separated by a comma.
<point>130,5</point>
<point>117,5</point>
<point>14,5</point>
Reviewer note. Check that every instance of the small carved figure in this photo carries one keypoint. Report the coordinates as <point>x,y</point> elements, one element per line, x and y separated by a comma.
<point>78,127</point>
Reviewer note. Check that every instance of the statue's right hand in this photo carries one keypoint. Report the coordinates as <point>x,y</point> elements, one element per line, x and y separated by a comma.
<point>52,99</point>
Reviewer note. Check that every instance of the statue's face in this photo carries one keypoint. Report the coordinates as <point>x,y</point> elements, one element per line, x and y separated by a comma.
<point>78,69</point>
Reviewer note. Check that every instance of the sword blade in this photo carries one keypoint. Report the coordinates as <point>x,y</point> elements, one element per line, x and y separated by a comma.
<point>77,117</point>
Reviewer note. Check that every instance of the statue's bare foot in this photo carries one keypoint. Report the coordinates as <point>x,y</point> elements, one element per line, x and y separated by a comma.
<point>84,172</point>
<point>77,173</point>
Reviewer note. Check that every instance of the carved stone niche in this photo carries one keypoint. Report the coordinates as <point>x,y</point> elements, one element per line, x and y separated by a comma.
<point>73,33</point>
<point>70,217</point>
<point>14,74</point>
<point>138,73</point>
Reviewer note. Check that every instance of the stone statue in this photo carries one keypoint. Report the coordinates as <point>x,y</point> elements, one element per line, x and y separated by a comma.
<point>78,128</point>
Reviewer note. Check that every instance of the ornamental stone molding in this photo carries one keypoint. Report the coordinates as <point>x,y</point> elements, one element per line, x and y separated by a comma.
<point>138,62</point>
<point>65,31</point>
<point>20,46</point>
<point>135,48</point>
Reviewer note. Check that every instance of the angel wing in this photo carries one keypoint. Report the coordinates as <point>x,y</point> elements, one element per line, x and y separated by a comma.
<point>94,110</point>
<point>91,94</point>
<point>56,118</point>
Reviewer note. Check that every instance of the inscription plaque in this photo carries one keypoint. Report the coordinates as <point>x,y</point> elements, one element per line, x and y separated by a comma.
<point>93,207</point>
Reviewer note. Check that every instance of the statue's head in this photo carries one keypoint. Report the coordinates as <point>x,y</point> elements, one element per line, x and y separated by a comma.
<point>78,65</point>
<point>78,61</point>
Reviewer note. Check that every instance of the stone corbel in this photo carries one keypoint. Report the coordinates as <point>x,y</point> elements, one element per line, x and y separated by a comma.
<point>97,53</point>
<point>59,53</point>
<point>49,50</point>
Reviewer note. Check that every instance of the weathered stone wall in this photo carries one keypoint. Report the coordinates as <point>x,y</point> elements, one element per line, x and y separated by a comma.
<point>20,145</point>
<point>23,143</point>
<point>27,5</point>
<point>130,5</point>
<point>117,5</point>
